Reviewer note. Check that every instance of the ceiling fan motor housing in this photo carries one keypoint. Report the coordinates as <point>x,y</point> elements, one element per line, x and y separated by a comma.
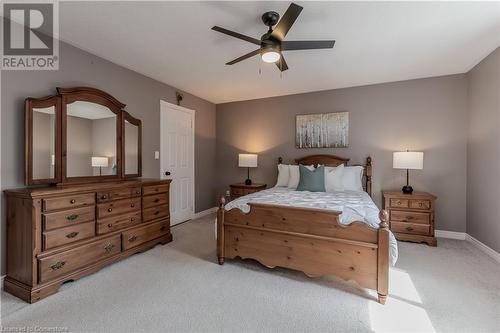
<point>270,18</point>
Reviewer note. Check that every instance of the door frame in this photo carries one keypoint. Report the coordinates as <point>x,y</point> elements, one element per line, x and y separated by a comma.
<point>192,113</point>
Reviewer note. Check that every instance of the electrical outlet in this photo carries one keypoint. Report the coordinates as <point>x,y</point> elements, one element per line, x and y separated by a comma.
<point>157,155</point>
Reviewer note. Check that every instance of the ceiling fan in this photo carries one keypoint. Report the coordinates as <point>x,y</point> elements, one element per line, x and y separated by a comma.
<point>271,43</point>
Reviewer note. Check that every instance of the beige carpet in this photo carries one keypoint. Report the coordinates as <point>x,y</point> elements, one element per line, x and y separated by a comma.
<point>180,288</point>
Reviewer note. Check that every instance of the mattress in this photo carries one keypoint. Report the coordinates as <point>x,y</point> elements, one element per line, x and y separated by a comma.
<point>354,205</point>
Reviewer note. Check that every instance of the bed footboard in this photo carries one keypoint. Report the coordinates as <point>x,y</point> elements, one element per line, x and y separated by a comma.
<point>308,240</point>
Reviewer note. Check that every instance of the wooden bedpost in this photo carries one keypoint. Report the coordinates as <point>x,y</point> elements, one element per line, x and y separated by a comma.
<point>383,257</point>
<point>220,230</point>
<point>280,160</point>
<point>369,176</point>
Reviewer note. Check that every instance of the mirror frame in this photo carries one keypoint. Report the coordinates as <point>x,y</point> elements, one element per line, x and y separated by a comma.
<point>45,102</point>
<point>71,95</point>
<point>137,122</point>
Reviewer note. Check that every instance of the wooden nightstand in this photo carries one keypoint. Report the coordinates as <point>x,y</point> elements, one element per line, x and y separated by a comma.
<point>240,189</point>
<point>411,216</point>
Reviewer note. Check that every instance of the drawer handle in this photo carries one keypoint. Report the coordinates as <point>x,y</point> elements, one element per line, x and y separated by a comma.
<point>72,217</point>
<point>58,265</point>
<point>72,234</point>
<point>104,197</point>
<point>156,213</point>
<point>110,225</point>
<point>132,219</point>
<point>157,200</point>
<point>137,192</point>
<point>163,227</point>
<point>132,238</point>
<point>72,201</point>
<point>420,204</point>
<point>109,248</point>
<point>399,202</point>
<point>157,189</point>
<point>409,228</point>
<point>110,210</point>
<point>132,205</point>
<point>409,217</point>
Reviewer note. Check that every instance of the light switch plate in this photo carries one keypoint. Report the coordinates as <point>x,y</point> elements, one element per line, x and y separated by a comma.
<point>157,155</point>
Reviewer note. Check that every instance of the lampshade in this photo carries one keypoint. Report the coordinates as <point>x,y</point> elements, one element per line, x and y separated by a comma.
<point>247,160</point>
<point>408,160</point>
<point>98,161</point>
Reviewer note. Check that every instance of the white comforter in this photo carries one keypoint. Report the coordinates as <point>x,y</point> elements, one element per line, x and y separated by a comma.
<point>354,205</point>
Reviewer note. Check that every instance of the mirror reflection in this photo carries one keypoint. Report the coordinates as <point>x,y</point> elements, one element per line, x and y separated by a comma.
<point>131,148</point>
<point>91,140</point>
<point>44,123</point>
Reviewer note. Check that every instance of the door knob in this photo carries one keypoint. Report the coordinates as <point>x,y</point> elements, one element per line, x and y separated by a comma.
<point>167,173</point>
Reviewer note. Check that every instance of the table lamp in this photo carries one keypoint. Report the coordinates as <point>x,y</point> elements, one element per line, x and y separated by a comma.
<point>413,160</point>
<point>247,161</point>
<point>100,162</point>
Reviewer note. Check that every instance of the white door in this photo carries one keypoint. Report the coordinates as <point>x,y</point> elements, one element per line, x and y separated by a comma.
<point>177,159</point>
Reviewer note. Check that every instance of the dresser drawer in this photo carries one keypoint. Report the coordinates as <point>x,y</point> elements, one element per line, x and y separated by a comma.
<point>399,203</point>
<point>68,202</point>
<point>62,263</point>
<point>117,223</point>
<point>122,193</point>
<point>154,189</point>
<point>118,207</point>
<point>140,235</point>
<point>412,217</point>
<point>68,235</point>
<point>410,228</point>
<point>68,217</point>
<point>155,213</point>
<point>420,204</point>
<point>155,200</point>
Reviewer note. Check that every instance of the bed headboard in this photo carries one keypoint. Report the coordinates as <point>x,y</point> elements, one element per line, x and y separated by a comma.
<point>333,161</point>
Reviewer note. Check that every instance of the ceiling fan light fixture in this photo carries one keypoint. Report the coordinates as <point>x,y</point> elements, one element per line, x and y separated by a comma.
<point>270,56</point>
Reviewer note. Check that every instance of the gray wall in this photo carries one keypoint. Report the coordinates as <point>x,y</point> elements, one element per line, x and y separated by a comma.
<point>483,162</point>
<point>142,96</point>
<point>426,115</point>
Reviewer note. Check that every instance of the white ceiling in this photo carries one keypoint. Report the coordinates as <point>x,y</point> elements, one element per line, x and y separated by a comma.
<point>375,42</point>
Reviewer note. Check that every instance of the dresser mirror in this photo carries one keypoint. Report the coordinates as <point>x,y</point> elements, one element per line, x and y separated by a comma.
<point>132,152</point>
<point>80,135</point>
<point>42,141</point>
<point>90,140</point>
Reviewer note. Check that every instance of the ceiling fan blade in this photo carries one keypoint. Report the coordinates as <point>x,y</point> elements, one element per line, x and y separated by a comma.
<point>243,57</point>
<point>236,35</point>
<point>286,21</point>
<point>307,45</point>
<point>282,63</point>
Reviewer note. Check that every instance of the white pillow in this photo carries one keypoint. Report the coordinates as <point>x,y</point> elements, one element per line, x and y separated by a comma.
<point>283,175</point>
<point>353,176</point>
<point>334,178</point>
<point>295,175</point>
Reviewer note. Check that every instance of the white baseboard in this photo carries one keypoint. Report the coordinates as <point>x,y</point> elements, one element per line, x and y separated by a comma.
<point>204,213</point>
<point>450,234</point>
<point>483,247</point>
<point>464,236</point>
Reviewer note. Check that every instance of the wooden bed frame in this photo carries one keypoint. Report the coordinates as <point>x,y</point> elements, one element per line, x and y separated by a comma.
<point>307,239</point>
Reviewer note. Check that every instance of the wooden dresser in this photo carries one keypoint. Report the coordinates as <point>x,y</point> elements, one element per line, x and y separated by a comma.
<point>411,216</point>
<point>59,234</point>
<point>241,189</point>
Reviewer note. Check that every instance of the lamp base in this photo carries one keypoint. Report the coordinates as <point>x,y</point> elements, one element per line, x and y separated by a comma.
<point>248,181</point>
<point>407,189</point>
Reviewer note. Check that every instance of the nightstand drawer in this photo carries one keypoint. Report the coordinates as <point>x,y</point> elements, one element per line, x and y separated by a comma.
<point>238,191</point>
<point>420,204</point>
<point>410,228</point>
<point>411,217</point>
<point>399,203</point>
